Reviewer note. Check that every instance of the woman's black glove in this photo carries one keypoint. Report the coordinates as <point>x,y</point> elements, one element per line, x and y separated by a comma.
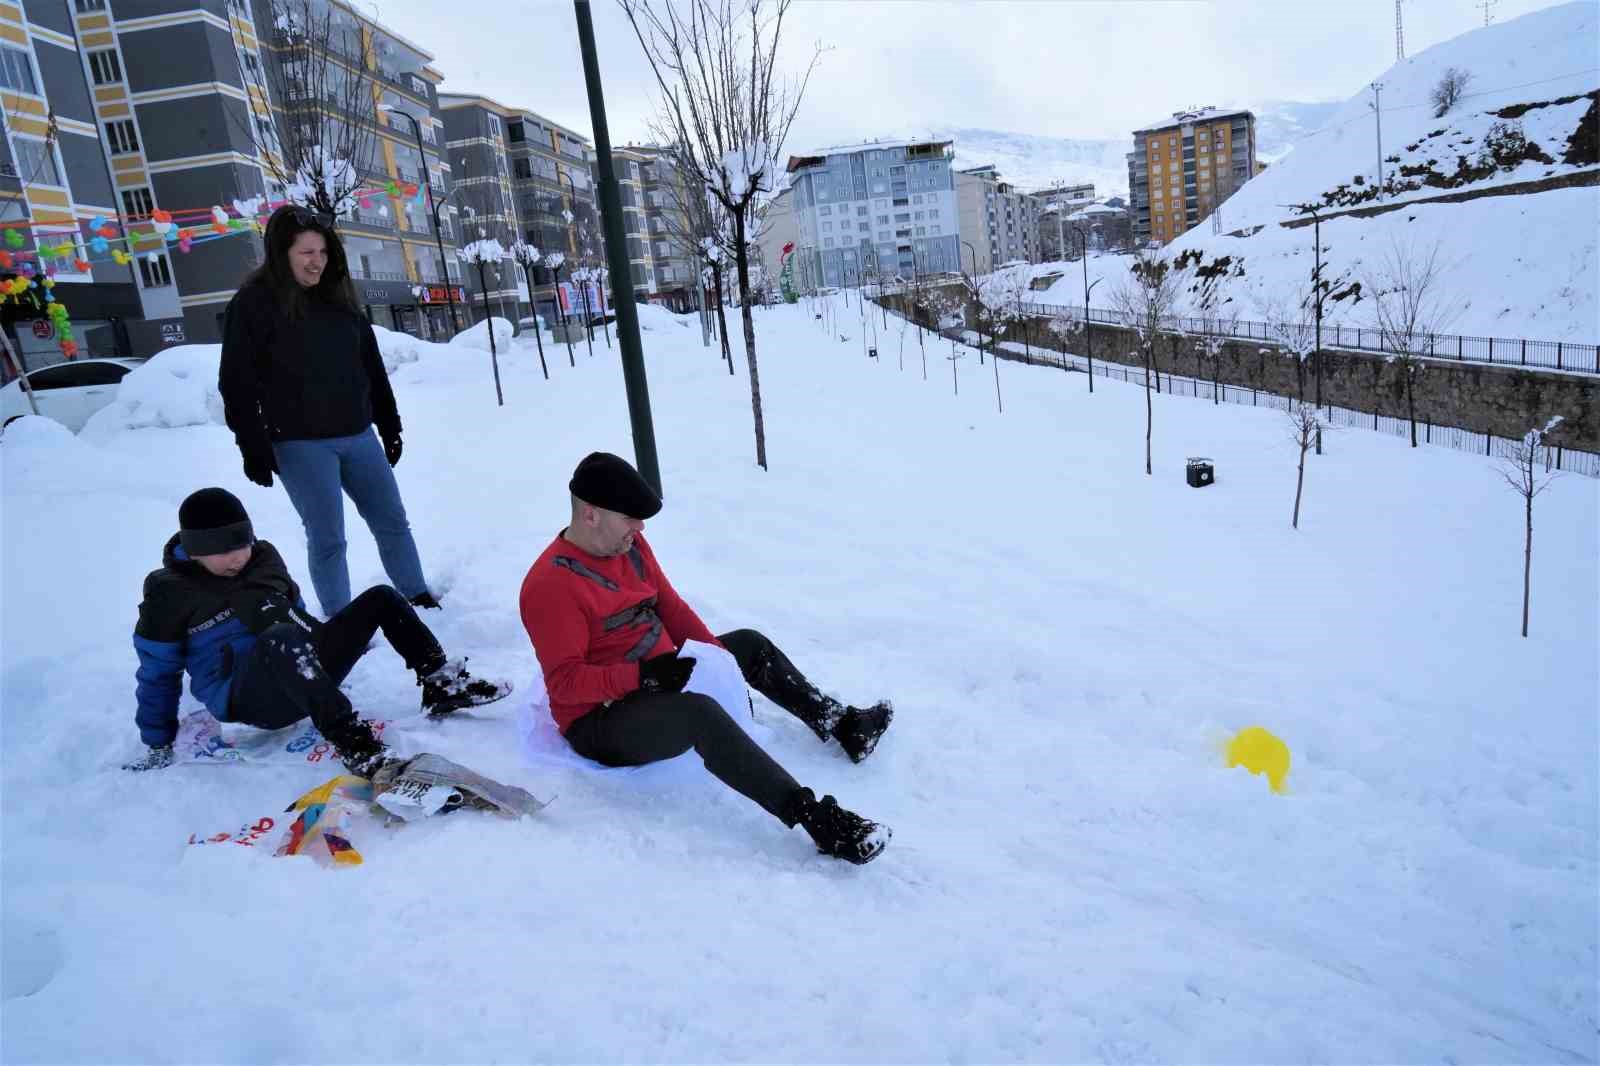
<point>259,463</point>
<point>391,447</point>
<point>665,673</point>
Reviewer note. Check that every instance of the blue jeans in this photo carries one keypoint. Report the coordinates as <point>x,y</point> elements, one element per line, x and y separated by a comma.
<point>317,474</point>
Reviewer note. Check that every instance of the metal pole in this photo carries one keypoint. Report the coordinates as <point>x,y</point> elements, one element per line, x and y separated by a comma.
<point>433,208</point>
<point>633,371</point>
<point>1377,113</point>
<point>561,312</point>
<point>533,305</point>
<point>488,321</point>
<point>1317,273</point>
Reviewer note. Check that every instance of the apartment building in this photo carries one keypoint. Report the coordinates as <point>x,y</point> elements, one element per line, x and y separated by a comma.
<point>56,179</point>
<point>166,106</point>
<point>881,209</point>
<point>523,175</point>
<point>655,192</point>
<point>997,219</point>
<point>1180,171</point>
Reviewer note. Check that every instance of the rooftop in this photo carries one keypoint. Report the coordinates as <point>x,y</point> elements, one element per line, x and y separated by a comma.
<point>1200,114</point>
<point>819,154</point>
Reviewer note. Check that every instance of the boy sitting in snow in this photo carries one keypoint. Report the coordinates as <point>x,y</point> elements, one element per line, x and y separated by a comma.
<point>606,626</point>
<point>223,608</point>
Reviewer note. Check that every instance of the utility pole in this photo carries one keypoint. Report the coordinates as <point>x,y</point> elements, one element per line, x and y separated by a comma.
<point>1316,280</point>
<point>1399,34</point>
<point>633,373</point>
<point>1377,113</point>
<point>1488,6</point>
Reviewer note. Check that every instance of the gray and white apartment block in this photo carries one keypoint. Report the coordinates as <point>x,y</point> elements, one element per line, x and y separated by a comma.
<point>1001,222</point>
<point>521,174</point>
<point>881,209</point>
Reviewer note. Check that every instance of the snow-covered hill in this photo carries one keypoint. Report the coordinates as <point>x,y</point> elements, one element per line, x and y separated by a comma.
<point>1075,876</point>
<point>1030,161</point>
<point>1523,265</point>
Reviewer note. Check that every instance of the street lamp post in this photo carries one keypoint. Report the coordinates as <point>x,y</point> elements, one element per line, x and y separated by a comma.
<point>588,319</point>
<point>633,369</point>
<point>433,208</point>
<point>1088,334</point>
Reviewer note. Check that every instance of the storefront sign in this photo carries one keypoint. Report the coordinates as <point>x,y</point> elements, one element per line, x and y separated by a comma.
<point>43,329</point>
<point>437,294</point>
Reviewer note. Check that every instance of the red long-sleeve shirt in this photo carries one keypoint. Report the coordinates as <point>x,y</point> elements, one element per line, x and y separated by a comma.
<point>591,618</point>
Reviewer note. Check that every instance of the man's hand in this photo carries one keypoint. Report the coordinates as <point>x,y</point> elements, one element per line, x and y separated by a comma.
<point>665,673</point>
<point>391,448</point>
<point>157,758</point>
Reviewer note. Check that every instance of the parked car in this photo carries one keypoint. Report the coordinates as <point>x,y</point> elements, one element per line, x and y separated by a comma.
<point>531,322</point>
<point>67,392</point>
<point>600,318</point>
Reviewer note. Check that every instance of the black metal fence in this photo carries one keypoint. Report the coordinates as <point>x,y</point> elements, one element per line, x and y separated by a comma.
<point>1570,460</point>
<point>1501,351</point>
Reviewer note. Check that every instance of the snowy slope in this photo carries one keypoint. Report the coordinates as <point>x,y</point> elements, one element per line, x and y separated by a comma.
<point>1516,266</point>
<point>1030,161</point>
<point>1074,875</point>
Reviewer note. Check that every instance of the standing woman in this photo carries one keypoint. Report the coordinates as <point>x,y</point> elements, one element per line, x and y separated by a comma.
<point>302,385</point>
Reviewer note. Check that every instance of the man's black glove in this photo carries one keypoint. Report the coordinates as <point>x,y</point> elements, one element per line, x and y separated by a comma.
<point>665,673</point>
<point>259,463</point>
<point>157,758</point>
<point>391,448</point>
<point>260,611</point>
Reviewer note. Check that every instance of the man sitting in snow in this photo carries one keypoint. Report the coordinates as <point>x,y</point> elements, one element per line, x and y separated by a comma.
<point>606,626</point>
<point>223,608</point>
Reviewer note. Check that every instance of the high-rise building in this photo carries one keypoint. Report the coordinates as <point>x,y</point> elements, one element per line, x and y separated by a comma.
<point>1000,222</point>
<point>1180,171</point>
<point>654,191</point>
<point>523,176</point>
<point>55,178</point>
<point>881,209</point>
<point>176,107</point>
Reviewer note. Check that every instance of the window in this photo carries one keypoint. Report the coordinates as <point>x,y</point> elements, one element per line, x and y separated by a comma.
<point>35,161</point>
<point>515,133</point>
<point>827,242</point>
<point>16,70</point>
<point>427,133</point>
<point>917,199</point>
<point>91,5</point>
<point>121,137</point>
<point>154,271</point>
<point>919,215</point>
<point>138,203</point>
<point>861,209</point>
<point>104,66</point>
<point>903,216</point>
<point>824,210</point>
<point>883,220</point>
<point>933,230</point>
<point>494,126</point>
<point>522,167</point>
<point>922,231</point>
<point>864,228</point>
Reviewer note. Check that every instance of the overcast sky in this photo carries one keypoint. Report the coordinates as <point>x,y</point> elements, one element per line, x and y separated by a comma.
<point>1060,68</point>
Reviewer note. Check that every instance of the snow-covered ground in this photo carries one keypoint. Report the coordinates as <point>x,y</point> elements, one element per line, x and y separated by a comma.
<point>1074,876</point>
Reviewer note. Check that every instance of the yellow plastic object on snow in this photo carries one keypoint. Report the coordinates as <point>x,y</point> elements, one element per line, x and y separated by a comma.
<point>1261,752</point>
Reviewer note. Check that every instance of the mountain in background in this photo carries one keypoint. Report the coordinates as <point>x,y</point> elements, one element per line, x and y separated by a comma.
<point>1033,162</point>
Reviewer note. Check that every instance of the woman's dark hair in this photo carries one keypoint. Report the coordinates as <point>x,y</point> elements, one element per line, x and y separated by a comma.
<point>334,288</point>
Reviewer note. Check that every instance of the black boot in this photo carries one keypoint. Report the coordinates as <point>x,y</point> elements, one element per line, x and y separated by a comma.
<point>836,831</point>
<point>425,600</point>
<point>362,753</point>
<point>858,730</point>
<point>450,688</point>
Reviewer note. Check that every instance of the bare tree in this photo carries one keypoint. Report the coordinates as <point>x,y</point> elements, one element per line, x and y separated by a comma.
<point>485,254</point>
<point>1144,302</point>
<point>321,141</point>
<point>1410,309</point>
<point>1451,87</point>
<point>1307,428</point>
<point>527,257</point>
<point>1215,316</point>
<point>1522,474</point>
<point>729,110</point>
<point>1066,323</point>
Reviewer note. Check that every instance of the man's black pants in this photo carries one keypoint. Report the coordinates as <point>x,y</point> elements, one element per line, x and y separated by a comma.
<point>294,673</point>
<point>645,727</point>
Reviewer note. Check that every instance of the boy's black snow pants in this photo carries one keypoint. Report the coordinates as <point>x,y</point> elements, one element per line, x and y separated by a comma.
<point>645,727</point>
<point>294,672</point>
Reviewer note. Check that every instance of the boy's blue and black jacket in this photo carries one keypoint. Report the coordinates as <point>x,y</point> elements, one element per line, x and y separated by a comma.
<point>192,620</point>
